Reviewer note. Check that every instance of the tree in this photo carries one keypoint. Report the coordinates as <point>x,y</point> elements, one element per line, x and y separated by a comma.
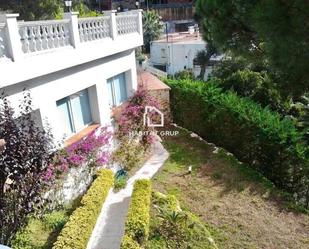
<point>30,10</point>
<point>275,32</point>
<point>23,162</point>
<point>203,57</point>
<point>152,28</point>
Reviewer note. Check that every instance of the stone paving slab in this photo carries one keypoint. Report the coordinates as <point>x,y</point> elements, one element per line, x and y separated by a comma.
<point>109,228</point>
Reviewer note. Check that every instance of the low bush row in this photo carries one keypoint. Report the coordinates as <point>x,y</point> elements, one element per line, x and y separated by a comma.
<point>137,222</point>
<point>254,134</point>
<point>77,230</point>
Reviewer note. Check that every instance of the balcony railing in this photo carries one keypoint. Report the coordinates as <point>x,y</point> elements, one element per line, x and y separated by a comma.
<point>97,28</point>
<point>19,39</point>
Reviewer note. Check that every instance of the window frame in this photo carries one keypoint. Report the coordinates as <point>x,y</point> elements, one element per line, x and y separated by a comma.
<point>68,100</point>
<point>113,91</point>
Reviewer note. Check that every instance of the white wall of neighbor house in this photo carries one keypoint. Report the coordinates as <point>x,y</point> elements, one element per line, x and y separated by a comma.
<point>176,56</point>
<point>47,90</point>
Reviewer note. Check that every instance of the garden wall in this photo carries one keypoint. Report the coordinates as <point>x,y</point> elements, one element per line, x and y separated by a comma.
<point>71,186</point>
<point>157,89</point>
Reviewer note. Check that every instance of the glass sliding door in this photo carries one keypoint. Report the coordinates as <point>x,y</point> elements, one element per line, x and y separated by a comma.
<point>65,116</point>
<point>117,90</point>
<point>80,110</point>
<point>74,112</point>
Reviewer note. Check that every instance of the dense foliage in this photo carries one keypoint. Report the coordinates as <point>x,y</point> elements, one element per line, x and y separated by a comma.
<point>137,221</point>
<point>255,135</point>
<point>152,28</point>
<point>31,10</point>
<point>23,162</point>
<point>77,230</point>
<point>265,32</point>
<point>203,57</point>
<point>128,243</point>
<point>249,83</point>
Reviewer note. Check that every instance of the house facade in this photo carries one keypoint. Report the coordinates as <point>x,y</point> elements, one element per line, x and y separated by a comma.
<point>76,69</point>
<point>176,52</point>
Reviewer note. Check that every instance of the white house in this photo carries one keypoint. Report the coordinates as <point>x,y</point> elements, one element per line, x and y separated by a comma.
<point>176,52</point>
<point>77,69</point>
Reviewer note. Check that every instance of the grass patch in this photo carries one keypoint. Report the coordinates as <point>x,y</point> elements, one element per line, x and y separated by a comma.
<point>41,233</point>
<point>235,202</point>
<point>172,227</point>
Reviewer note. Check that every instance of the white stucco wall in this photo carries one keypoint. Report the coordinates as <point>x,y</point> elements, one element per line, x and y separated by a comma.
<point>47,89</point>
<point>177,56</point>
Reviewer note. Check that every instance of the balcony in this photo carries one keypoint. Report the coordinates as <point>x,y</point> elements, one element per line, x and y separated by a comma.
<point>33,49</point>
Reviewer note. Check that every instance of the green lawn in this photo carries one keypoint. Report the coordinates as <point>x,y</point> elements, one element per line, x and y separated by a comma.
<point>238,205</point>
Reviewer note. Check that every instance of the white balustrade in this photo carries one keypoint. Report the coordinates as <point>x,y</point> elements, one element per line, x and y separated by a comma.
<point>94,28</point>
<point>18,38</point>
<point>43,35</point>
<point>127,22</point>
<point>2,40</point>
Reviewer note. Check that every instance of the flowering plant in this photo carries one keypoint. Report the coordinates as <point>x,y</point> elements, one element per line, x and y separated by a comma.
<point>131,120</point>
<point>89,150</point>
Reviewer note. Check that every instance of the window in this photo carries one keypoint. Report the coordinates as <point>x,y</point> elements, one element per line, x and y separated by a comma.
<point>163,53</point>
<point>74,112</point>
<point>117,90</point>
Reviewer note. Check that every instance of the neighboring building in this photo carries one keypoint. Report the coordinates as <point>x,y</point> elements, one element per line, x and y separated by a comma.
<point>77,69</point>
<point>178,14</point>
<point>176,53</point>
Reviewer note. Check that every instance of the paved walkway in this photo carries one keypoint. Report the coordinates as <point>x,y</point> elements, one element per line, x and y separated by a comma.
<point>109,228</point>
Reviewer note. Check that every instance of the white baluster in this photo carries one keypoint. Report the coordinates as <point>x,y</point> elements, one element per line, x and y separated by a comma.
<point>56,36</point>
<point>44,37</point>
<point>38,38</point>
<point>32,46</point>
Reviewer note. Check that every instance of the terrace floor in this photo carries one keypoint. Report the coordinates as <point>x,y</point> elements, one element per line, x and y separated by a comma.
<point>240,207</point>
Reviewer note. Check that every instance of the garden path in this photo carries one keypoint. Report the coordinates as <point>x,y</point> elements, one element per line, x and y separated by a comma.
<point>109,228</point>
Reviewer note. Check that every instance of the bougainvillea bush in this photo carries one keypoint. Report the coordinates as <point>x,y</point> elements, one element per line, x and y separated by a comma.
<point>131,132</point>
<point>92,150</point>
<point>131,120</point>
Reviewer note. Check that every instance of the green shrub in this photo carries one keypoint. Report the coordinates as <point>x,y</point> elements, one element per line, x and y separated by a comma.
<point>22,240</point>
<point>77,230</point>
<point>120,182</point>
<point>184,75</point>
<point>254,134</point>
<point>129,154</point>
<point>169,201</point>
<point>128,243</point>
<point>55,220</point>
<point>137,222</point>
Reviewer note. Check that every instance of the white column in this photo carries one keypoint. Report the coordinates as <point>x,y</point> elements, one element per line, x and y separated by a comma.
<point>113,23</point>
<point>74,32</point>
<point>12,36</point>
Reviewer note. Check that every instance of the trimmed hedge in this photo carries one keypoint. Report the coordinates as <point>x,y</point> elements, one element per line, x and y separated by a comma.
<point>128,243</point>
<point>256,135</point>
<point>138,218</point>
<point>78,229</point>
